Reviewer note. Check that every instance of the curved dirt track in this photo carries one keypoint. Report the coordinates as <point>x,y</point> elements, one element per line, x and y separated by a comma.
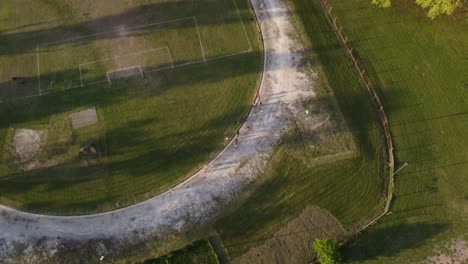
<point>200,199</point>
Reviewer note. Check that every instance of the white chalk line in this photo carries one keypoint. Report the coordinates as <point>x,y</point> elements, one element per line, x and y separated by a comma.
<point>81,75</point>
<point>199,38</point>
<point>228,55</point>
<point>123,56</point>
<point>103,33</point>
<point>124,69</point>
<point>129,55</point>
<point>114,30</point>
<point>108,79</point>
<point>170,57</point>
<point>38,69</point>
<point>155,70</point>
<point>136,27</point>
<point>243,26</point>
<point>141,72</point>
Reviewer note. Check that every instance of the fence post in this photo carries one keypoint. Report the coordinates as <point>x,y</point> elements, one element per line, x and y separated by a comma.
<point>383,117</point>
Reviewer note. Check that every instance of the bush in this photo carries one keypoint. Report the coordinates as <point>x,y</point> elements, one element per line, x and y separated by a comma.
<point>327,251</point>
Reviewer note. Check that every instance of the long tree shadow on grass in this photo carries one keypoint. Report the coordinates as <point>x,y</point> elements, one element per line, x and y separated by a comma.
<point>147,169</point>
<point>20,42</point>
<point>390,241</point>
<point>101,96</point>
<point>350,92</point>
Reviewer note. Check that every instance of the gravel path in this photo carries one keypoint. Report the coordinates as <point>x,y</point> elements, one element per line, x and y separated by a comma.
<point>202,197</point>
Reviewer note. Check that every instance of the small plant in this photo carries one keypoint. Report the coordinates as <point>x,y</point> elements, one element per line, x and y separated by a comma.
<point>327,251</point>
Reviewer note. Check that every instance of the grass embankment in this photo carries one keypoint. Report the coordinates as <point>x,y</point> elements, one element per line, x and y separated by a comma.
<point>157,130</point>
<point>420,67</point>
<point>198,252</point>
<point>352,189</point>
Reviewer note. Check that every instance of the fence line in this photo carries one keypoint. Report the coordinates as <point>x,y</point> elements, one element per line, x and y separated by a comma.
<point>333,20</point>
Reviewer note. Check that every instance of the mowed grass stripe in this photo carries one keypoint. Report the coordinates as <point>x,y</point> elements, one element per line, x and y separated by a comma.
<point>420,67</point>
<point>351,188</point>
<point>158,130</point>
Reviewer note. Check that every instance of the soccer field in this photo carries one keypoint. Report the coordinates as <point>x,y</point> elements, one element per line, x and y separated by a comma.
<point>105,104</point>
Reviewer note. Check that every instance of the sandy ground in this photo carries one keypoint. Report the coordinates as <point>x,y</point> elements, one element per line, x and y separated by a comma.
<point>455,252</point>
<point>84,118</point>
<point>27,142</point>
<point>200,199</point>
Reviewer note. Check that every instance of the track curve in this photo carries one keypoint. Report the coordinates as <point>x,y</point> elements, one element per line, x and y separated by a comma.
<point>200,199</point>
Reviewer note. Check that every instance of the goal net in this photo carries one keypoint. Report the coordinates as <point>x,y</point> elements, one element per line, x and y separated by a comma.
<point>124,73</point>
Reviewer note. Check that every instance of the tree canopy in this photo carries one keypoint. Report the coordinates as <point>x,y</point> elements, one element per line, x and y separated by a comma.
<point>327,251</point>
<point>434,7</point>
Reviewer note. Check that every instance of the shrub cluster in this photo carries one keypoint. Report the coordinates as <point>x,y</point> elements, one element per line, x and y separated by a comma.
<point>327,251</point>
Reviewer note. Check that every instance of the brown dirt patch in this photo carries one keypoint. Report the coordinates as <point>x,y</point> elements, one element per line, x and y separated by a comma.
<point>84,118</point>
<point>293,242</point>
<point>455,252</point>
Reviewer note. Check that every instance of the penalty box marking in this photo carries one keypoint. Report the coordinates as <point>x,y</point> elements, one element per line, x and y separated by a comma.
<point>114,30</point>
<point>135,27</point>
<point>123,56</point>
<point>38,46</point>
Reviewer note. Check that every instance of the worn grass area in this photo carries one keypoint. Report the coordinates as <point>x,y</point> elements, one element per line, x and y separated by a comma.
<point>199,251</point>
<point>292,242</point>
<point>351,187</point>
<point>157,130</point>
<point>420,67</point>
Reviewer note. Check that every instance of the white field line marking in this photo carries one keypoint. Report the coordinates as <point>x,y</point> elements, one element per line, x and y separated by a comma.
<point>178,65</point>
<point>123,69</point>
<point>156,70</point>
<point>141,72</point>
<point>228,55</point>
<point>188,63</point>
<point>170,56</point>
<point>243,26</point>
<point>199,38</point>
<point>81,75</point>
<point>50,92</point>
<point>123,56</point>
<point>160,69</point>
<point>75,87</point>
<point>38,70</point>
<point>108,78</point>
<point>116,30</point>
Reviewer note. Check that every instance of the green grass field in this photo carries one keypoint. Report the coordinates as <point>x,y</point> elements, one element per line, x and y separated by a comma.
<point>420,67</point>
<point>154,131</point>
<point>352,188</point>
<point>198,252</point>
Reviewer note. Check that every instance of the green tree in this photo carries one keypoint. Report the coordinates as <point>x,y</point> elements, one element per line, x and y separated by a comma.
<point>435,7</point>
<point>439,7</point>
<point>327,251</point>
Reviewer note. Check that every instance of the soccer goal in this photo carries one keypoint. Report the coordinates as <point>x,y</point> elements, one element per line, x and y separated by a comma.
<point>124,73</point>
<point>125,66</point>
